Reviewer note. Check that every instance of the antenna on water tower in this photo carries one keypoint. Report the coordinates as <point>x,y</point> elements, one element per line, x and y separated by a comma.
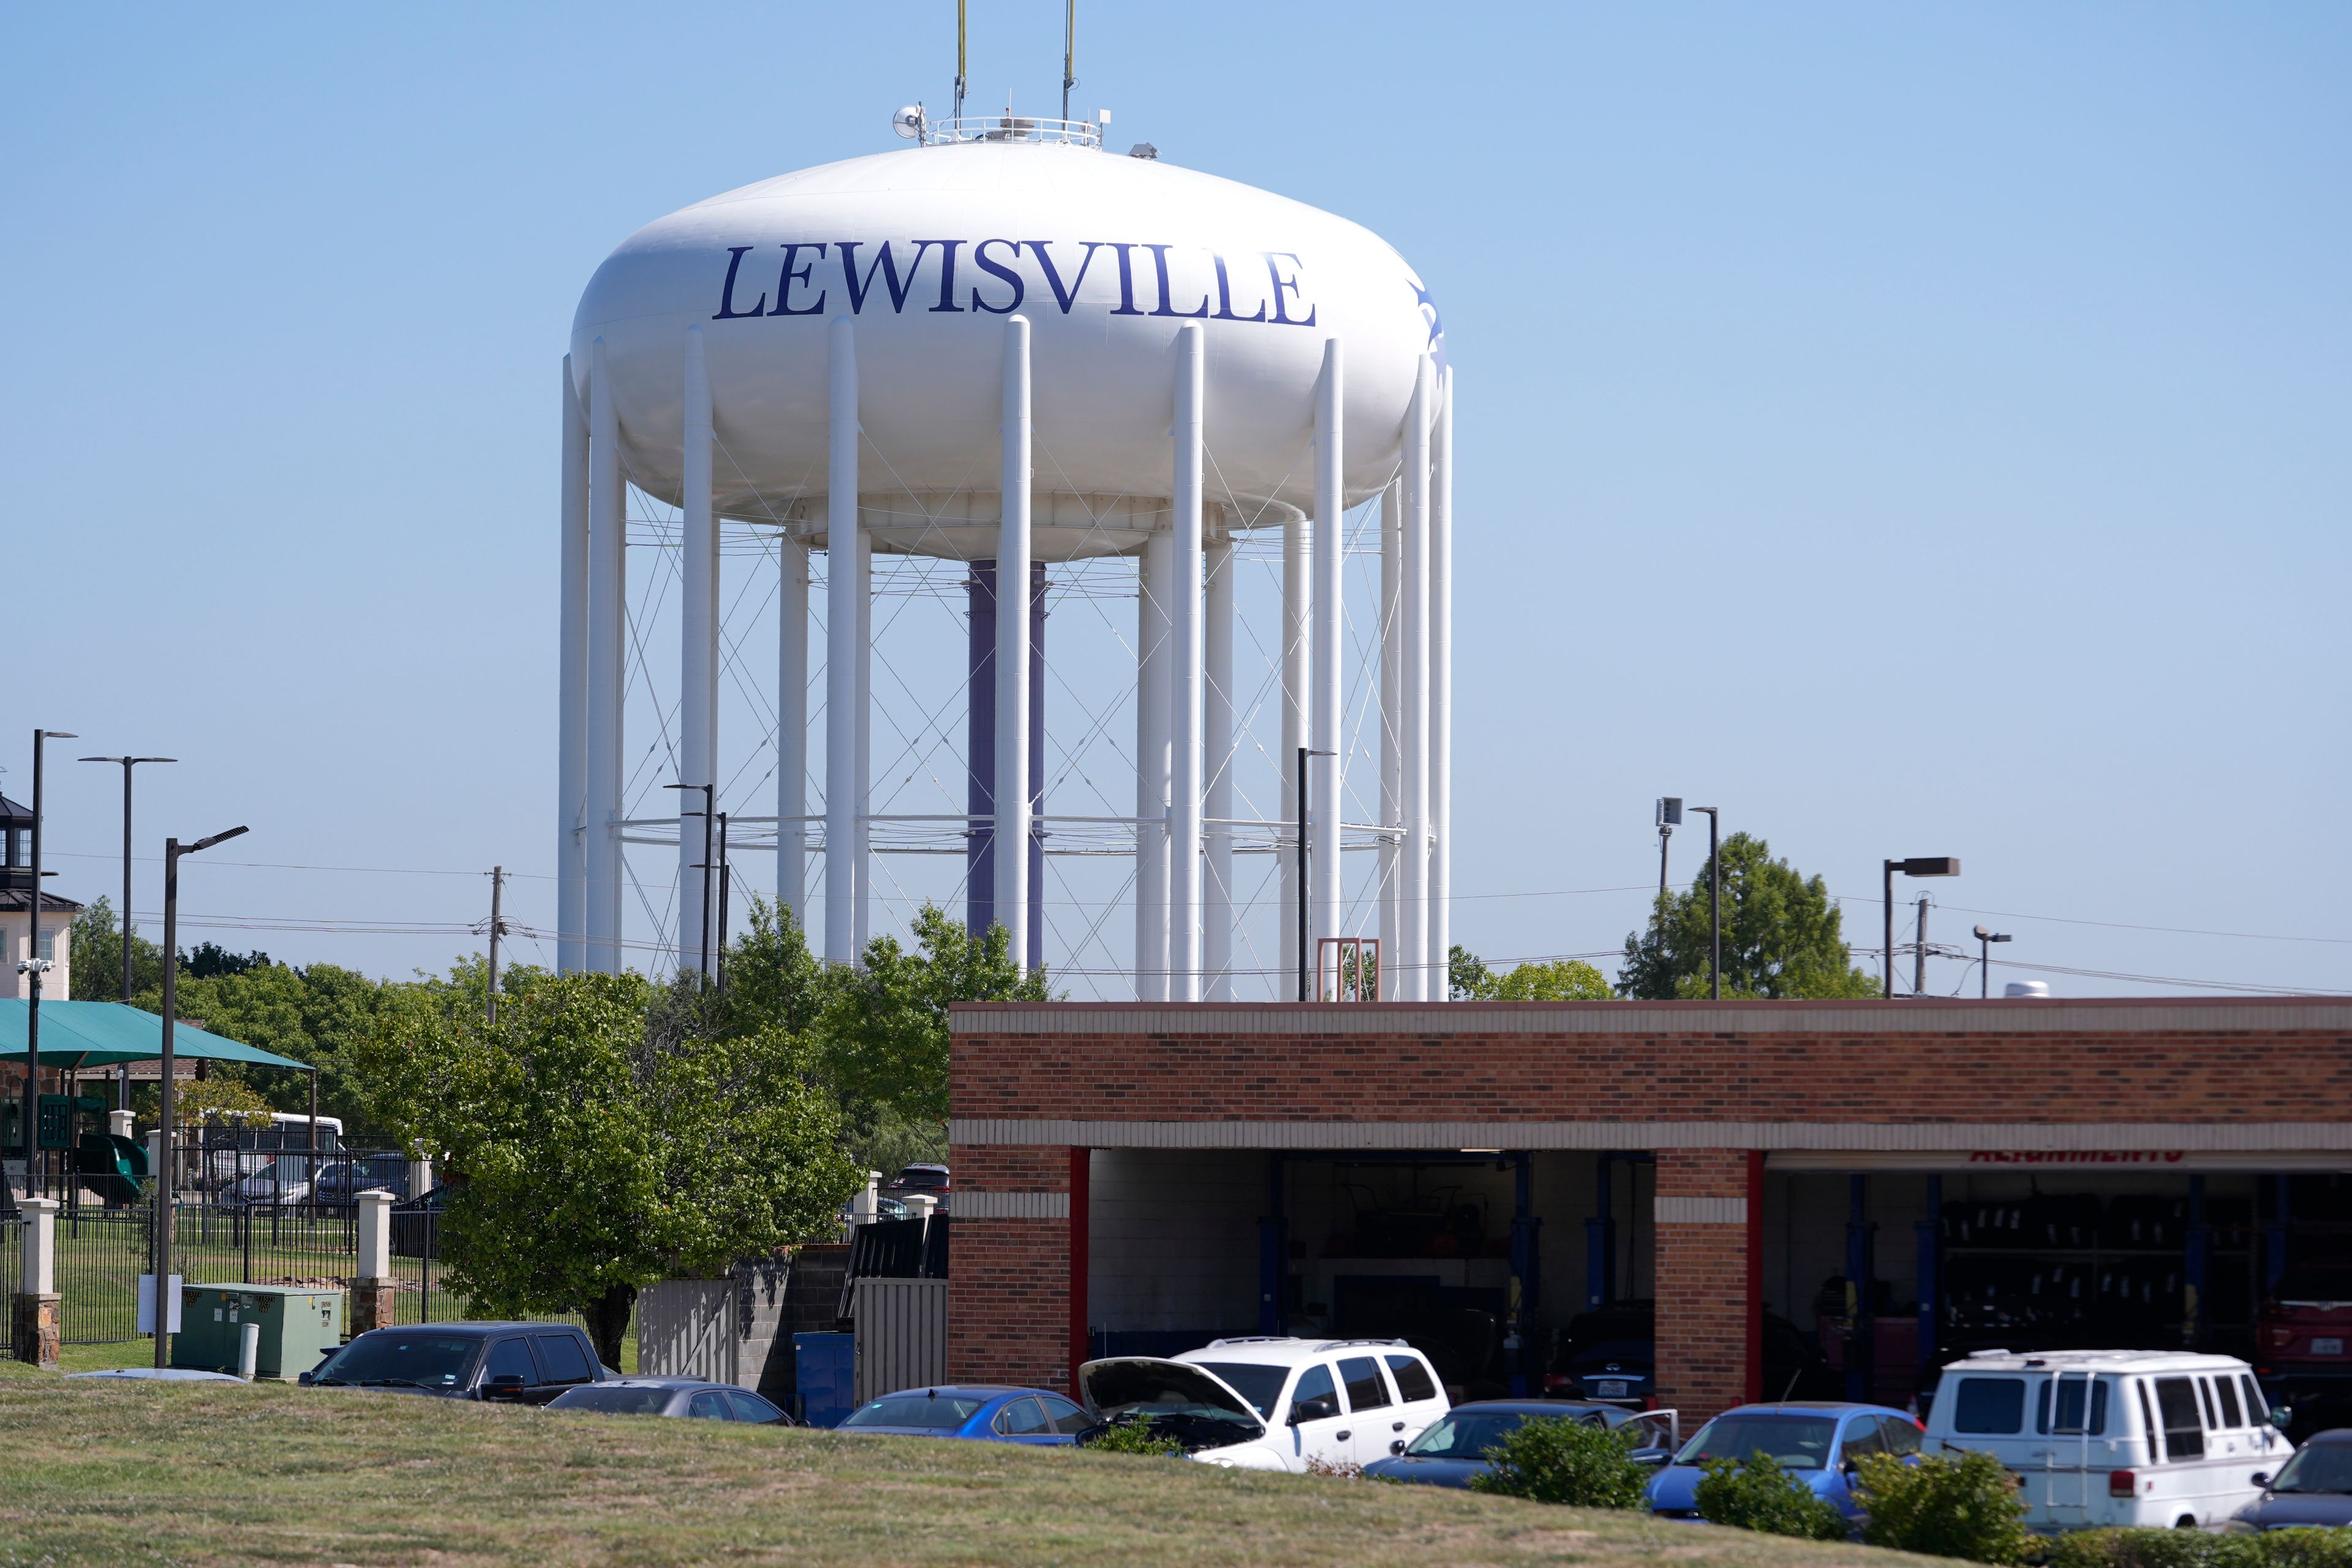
<point>1069,55</point>
<point>959,57</point>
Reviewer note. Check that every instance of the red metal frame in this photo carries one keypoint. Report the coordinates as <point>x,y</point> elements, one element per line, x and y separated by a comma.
<point>1335,976</point>
<point>1755,1261</point>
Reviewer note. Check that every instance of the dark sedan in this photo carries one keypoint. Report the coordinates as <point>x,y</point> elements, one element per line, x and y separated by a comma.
<point>2314,1487</point>
<point>689,1398</point>
<point>1454,1448</point>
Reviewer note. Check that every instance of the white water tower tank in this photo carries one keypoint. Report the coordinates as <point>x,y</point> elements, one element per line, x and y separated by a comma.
<point>997,334</point>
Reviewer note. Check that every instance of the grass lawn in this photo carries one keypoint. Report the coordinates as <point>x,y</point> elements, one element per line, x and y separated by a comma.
<point>218,1473</point>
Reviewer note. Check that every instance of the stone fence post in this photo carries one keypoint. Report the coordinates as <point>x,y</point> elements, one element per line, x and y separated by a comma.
<point>371,1285</point>
<point>35,1325</point>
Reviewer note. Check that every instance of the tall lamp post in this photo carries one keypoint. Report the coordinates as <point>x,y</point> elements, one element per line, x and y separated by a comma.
<point>172,850</point>
<point>32,969</point>
<point>1917,866</point>
<point>122,1076</point>
<point>1714,907</point>
<point>1985,939</point>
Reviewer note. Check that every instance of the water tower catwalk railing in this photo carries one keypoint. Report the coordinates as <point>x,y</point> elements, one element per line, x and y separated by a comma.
<point>1009,128</point>
<point>1185,830</point>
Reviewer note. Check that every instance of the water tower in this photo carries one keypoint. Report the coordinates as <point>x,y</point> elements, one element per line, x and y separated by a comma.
<point>1008,349</point>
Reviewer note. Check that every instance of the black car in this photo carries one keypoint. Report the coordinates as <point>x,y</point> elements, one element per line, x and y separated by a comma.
<point>690,1398</point>
<point>515,1363</point>
<point>1610,1355</point>
<point>2314,1487</point>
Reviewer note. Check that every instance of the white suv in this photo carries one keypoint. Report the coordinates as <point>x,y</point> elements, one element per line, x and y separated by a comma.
<point>1275,1403</point>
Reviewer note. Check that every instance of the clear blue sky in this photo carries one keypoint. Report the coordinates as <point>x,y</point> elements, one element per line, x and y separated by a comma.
<point>1918,431</point>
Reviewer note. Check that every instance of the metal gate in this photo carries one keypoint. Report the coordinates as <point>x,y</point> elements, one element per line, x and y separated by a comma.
<point>902,1335</point>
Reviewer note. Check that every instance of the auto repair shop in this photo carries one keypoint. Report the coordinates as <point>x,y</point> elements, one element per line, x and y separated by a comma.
<point>1137,1178</point>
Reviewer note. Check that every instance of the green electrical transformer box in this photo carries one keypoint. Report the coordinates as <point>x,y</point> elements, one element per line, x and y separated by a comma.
<point>300,1324</point>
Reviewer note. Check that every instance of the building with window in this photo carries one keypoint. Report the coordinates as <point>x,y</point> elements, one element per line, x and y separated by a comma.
<point>1731,1197</point>
<point>16,910</point>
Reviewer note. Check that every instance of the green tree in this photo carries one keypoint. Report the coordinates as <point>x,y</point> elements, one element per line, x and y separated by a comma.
<point>602,1135</point>
<point>96,948</point>
<point>1562,979</point>
<point>885,1029</point>
<point>1781,936</point>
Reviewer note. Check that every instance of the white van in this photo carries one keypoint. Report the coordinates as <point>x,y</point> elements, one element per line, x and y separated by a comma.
<point>1274,1403</point>
<point>2100,1437</point>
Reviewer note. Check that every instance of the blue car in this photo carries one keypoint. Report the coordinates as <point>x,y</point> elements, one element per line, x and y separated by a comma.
<point>1818,1442</point>
<point>1036,1417</point>
<point>1454,1447</point>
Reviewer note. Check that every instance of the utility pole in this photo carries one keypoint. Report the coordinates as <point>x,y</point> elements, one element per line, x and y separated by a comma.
<point>1714,906</point>
<point>1917,866</point>
<point>1919,952</point>
<point>498,929</point>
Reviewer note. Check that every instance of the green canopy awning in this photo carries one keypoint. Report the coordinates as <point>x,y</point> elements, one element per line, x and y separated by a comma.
<point>79,1034</point>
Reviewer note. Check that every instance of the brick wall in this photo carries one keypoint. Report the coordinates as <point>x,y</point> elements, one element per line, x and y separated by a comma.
<point>1701,1265</point>
<point>1009,1284</point>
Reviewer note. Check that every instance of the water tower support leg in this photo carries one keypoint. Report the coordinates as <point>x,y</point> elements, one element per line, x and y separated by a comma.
<point>1441,690</point>
<point>1013,548</point>
<point>1036,764</point>
<point>1151,775</point>
<point>697,666</point>
<point>791,728</point>
<point>607,585</point>
<point>1419,986</point>
<point>1323,810</point>
<point>979,752</point>
<point>571,689</point>
<point>1184,672</point>
<point>841,627</point>
<point>1298,644</point>
<point>863,807</point>
<point>1391,629</point>
<point>1217,762</point>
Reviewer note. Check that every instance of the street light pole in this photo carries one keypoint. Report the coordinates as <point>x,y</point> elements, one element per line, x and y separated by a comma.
<point>33,967</point>
<point>1985,939</point>
<point>1714,905</point>
<point>1917,866</point>
<point>498,929</point>
<point>164,1199</point>
<point>1670,816</point>
<point>128,764</point>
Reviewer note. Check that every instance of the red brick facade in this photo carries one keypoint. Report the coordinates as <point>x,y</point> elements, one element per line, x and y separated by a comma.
<point>1705,1084</point>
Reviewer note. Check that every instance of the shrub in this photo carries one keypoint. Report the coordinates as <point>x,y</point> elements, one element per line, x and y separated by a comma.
<point>1759,1495</point>
<point>1563,1461</point>
<point>2193,1549</point>
<point>1965,1506</point>
<point>1134,1438</point>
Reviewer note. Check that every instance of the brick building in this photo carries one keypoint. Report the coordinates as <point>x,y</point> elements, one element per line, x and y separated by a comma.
<point>1898,1181</point>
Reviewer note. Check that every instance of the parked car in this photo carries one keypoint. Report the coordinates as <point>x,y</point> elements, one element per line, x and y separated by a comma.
<point>2120,1438</point>
<point>1610,1353</point>
<point>2301,1334</point>
<point>1036,1416</point>
<point>416,1225</point>
<point>689,1398</point>
<point>510,1363</point>
<point>1454,1448</point>
<point>1269,1403</point>
<point>930,1179</point>
<point>1820,1442</point>
<point>2315,1487</point>
<point>161,1375</point>
<point>342,1181</point>
<point>284,1180</point>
